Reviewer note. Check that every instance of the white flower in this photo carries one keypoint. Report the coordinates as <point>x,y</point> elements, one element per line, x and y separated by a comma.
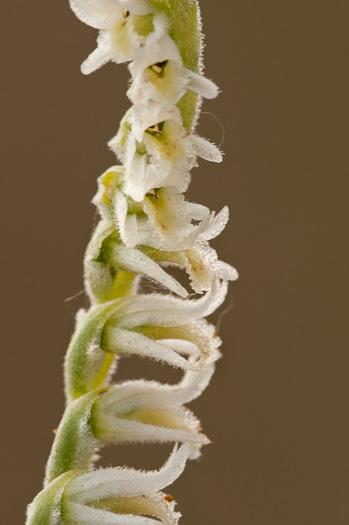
<point>119,496</point>
<point>113,496</point>
<point>158,72</point>
<point>118,40</point>
<point>147,411</point>
<point>99,274</point>
<point>130,412</point>
<point>175,224</point>
<point>135,325</point>
<point>162,229</point>
<point>192,346</point>
<point>157,150</point>
<point>103,12</point>
<point>162,310</point>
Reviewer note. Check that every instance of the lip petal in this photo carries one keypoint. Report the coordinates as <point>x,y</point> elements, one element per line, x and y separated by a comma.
<point>120,482</point>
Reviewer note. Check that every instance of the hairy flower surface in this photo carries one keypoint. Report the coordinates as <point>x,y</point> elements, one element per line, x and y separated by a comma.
<point>146,227</point>
<point>109,496</point>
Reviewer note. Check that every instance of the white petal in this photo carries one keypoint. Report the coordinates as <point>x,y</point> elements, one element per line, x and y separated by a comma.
<point>170,226</point>
<point>135,261</point>
<point>205,149</point>
<point>182,347</point>
<point>146,115</point>
<point>116,482</point>
<point>98,58</point>
<point>196,211</point>
<point>130,232</point>
<point>136,7</point>
<point>129,342</point>
<point>146,85</point>
<point>160,310</point>
<point>131,148</point>
<point>118,430</point>
<point>101,14</point>
<point>154,504</point>
<point>104,228</point>
<point>135,395</point>
<point>201,266</point>
<point>84,515</point>
<point>159,51</point>
<point>198,341</point>
<point>195,341</point>
<point>103,191</point>
<point>164,509</point>
<point>120,211</point>
<point>218,297</point>
<point>134,184</point>
<point>136,191</point>
<point>170,88</point>
<point>227,272</point>
<point>160,23</point>
<point>202,85</point>
<point>193,384</point>
<point>140,394</point>
<point>216,225</point>
<point>104,13</point>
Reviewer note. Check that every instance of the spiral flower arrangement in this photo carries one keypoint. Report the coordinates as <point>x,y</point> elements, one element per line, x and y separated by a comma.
<point>146,226</point>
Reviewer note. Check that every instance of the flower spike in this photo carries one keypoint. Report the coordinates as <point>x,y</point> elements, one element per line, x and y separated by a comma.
<point>146,228</point>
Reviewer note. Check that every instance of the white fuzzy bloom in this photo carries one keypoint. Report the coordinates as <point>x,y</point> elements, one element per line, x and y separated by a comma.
<point>147,411</point>
<point>117,40</point>
<point>158,72</point>
<point>114,496</point>
<point>157,151</point>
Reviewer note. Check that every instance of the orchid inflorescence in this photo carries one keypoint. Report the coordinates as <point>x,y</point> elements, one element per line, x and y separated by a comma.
<point>145,227</point>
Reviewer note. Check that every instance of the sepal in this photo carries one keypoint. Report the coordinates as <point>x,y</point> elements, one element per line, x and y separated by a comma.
<point>104,13</point>
<point>106,257</point>
<point>87,487</point>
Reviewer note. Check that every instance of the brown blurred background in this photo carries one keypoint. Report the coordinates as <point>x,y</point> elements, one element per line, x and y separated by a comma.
<point>277,409</point>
